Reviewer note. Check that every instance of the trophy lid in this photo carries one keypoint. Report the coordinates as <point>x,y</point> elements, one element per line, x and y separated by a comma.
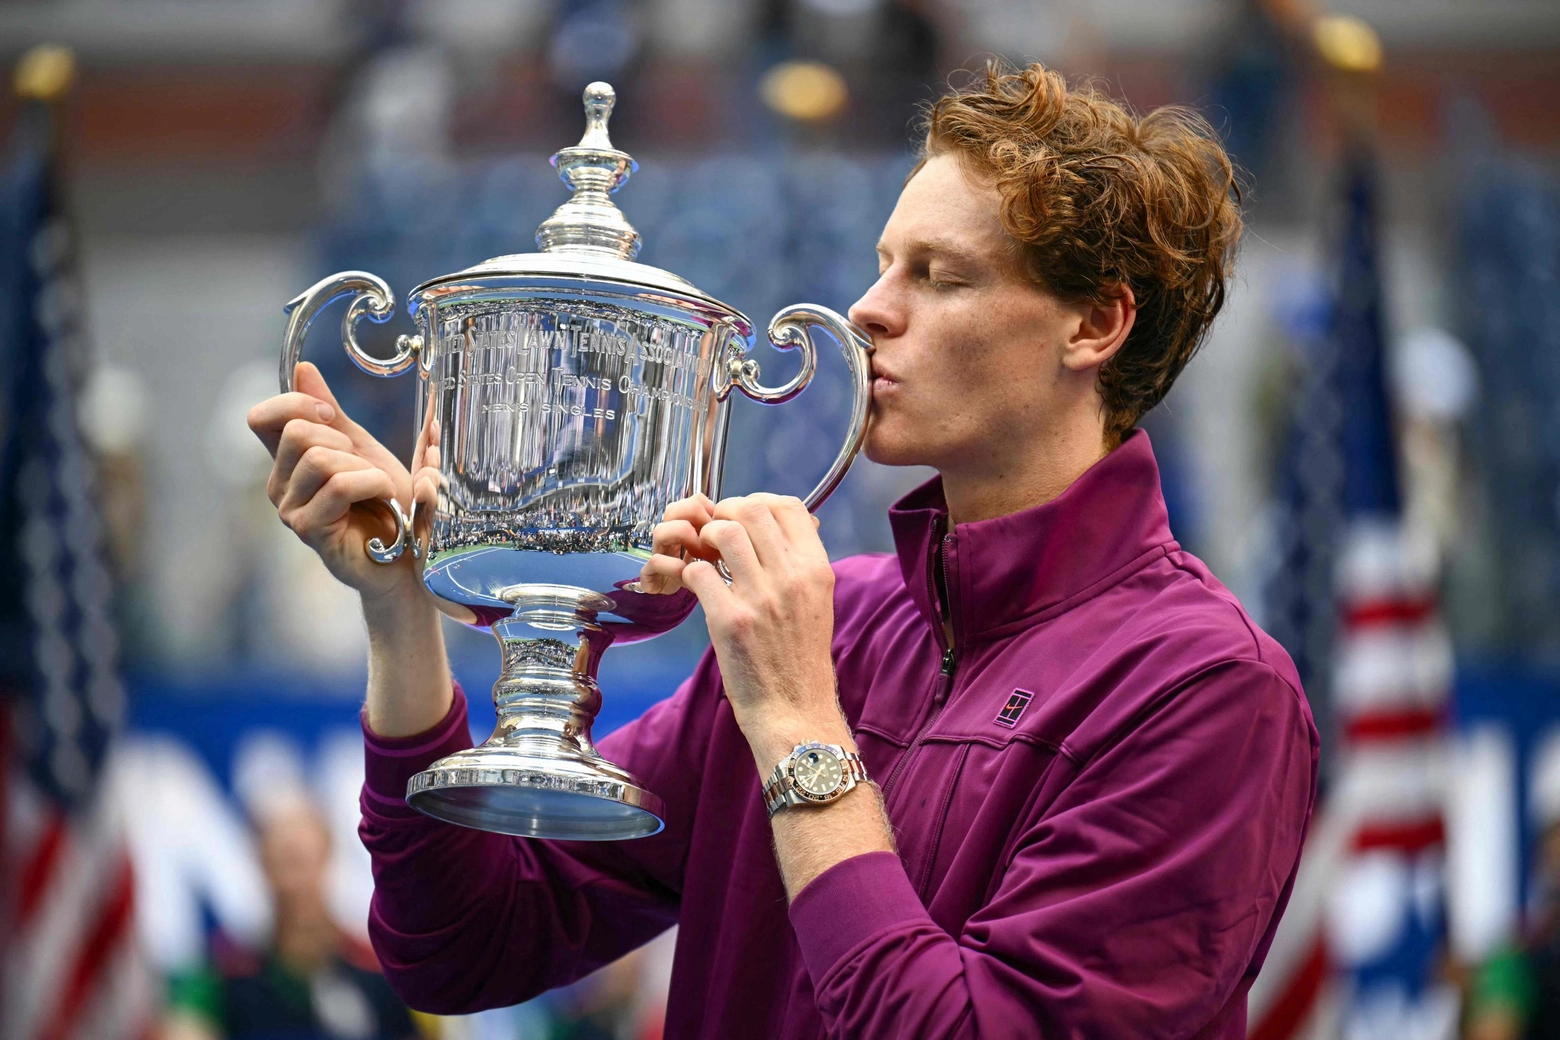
<point>587,237</point>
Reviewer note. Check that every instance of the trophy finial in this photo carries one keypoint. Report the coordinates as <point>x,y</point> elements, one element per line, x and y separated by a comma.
<point>590,222</point>
<point>599,99</point>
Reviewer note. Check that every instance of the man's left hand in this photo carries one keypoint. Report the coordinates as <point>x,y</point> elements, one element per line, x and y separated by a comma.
<point>772,628</point>
<point>773,625</point>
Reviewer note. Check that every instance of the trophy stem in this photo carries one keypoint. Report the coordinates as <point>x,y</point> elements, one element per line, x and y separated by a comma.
<point>547,695</point>
<point>539,775</point>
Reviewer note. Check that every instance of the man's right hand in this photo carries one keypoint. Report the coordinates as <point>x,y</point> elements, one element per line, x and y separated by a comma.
<point>328,482</point>
<point>328,475</point>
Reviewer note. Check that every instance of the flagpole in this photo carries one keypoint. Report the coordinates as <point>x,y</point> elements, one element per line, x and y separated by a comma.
<point>1392,660</point>
<point>1351,55</point>
<point>45,73</point>
<point>42,77</point>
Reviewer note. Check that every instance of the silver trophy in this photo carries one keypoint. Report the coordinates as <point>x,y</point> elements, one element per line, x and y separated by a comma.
<point>578,394</point>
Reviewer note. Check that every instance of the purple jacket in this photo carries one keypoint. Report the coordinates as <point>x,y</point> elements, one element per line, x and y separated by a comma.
<point>1099,803</point>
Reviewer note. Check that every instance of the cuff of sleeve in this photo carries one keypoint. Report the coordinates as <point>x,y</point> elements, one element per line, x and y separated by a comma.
<point>389,762</point>
<point>847,904</point>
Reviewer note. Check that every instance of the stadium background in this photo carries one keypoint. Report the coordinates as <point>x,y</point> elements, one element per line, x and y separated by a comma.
<point>220,156</point>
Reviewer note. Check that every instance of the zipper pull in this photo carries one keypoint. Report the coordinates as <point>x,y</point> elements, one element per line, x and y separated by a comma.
<point>944,682</point>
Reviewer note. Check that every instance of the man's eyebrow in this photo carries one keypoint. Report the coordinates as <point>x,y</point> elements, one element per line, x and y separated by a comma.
<point>938,247</point>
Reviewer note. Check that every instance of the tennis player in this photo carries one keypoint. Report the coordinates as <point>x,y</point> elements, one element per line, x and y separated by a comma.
<point>1034,774</point>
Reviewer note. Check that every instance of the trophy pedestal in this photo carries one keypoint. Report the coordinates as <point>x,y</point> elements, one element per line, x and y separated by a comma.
<point>538,775</point>
<point>499,788</point>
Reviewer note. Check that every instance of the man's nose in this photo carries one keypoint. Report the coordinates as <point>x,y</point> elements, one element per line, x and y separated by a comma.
<point>875,312</point>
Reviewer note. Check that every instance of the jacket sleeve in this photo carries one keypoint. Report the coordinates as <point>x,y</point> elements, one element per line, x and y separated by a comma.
<point>464,919</point>
<point>1131,904</point>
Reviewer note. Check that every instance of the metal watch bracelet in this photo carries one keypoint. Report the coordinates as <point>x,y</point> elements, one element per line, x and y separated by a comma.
<point>782,790</point>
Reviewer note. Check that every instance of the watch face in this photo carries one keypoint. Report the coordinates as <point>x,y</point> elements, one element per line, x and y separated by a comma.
<point>817,772</point>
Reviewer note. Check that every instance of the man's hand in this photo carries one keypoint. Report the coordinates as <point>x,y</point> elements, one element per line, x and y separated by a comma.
<point>328,475</point>
<point>772,628</point>
<point>675,542</point>
<point>773,625</point>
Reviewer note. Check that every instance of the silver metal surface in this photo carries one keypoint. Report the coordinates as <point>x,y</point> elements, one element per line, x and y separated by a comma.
<point>578,395</point>
<point>539,774</point>
<point>785,787</point>
<point>791,328</point>
<point>589,222</point>
<point>373,299</point>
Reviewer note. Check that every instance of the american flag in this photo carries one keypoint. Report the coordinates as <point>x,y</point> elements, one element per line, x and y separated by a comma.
<point>69,965</point>
<point>1354,600</point>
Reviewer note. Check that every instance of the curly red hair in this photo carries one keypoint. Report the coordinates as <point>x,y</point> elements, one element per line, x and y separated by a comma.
<point>1099,198</point>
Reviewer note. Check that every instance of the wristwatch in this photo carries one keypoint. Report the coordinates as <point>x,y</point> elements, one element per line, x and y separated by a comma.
<point>813,774</point>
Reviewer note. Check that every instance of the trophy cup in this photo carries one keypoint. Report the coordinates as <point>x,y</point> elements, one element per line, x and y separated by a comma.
<point>578,394</point>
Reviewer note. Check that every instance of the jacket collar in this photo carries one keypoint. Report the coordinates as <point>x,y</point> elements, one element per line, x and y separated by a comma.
<point>1011,567</point>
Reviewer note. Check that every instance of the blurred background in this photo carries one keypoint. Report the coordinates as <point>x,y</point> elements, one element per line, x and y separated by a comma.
<point>1367,450</point>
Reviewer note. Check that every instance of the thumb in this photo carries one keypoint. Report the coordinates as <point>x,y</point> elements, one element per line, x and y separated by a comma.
<point>308,379</point>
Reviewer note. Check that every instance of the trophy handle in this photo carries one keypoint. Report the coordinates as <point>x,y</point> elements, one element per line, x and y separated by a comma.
<point>372,299</point>
<point>788,330</point>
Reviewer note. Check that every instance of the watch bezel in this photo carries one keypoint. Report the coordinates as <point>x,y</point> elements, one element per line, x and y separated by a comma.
<point>795,785</point>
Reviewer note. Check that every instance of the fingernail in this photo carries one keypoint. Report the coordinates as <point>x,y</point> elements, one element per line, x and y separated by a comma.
<point>324,411</point>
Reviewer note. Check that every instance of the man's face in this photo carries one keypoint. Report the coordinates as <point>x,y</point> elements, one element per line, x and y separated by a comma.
<point>968,350</point>
<point>294,853</point>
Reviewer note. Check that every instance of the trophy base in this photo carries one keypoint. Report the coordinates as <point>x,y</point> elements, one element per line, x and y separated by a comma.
<point>536,795</point>
<point>539,775</point>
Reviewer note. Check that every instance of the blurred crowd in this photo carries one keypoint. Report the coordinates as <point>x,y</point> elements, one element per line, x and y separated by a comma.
<point>217,158</point>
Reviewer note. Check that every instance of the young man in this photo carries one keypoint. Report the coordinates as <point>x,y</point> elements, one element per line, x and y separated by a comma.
<point>1090,773</point>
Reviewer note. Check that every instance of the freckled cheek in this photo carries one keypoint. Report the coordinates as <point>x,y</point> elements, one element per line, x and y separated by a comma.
<point>968,355</point>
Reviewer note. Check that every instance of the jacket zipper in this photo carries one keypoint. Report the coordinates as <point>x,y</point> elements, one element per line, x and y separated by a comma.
<point>945,678</point>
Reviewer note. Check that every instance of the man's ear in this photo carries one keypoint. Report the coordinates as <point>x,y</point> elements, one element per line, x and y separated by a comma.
<point>1102,329</point>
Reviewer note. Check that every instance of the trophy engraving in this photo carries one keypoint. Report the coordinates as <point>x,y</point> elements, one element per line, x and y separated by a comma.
<point>578,393</point>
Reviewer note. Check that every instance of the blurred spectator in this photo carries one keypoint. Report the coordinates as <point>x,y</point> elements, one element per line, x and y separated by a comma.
<point>1253,77</point>
<point>1542,984</point>
<point>313,980</point>
<point>1515,994</point>
<point>114,408</point>
<point>1499,999</point>
<point>609,1005</point>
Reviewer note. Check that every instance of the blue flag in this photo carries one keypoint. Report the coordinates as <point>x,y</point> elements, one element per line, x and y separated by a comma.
<point>1339,464</point>
<point>70,958</point>
<point>60,648</point>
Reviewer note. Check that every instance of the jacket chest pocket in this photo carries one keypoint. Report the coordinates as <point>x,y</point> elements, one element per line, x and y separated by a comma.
<point>955,807</point>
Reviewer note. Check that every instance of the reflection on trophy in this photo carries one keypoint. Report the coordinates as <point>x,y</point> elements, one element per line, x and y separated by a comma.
<point>578,393</point>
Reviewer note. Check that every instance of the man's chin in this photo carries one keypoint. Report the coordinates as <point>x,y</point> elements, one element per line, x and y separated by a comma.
<point>887,450</point>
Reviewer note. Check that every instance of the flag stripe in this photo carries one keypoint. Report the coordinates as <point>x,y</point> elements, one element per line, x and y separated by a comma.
<point>111,928</point>
<point>117,1010</point>
<point>1389,611</point>
<point>1294,1005</point>
<point>1407,838</point>
<point>39,869</point>
<point>1394,725</point>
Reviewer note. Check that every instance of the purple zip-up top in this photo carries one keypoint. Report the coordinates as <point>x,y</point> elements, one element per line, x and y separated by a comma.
<point>1099,797</point>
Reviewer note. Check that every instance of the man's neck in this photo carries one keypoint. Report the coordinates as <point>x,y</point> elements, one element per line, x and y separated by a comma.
<point>1009,482</point>
<point>305,937</point>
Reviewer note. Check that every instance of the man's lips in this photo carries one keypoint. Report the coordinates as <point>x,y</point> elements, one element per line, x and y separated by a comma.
<point>882,380</point>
